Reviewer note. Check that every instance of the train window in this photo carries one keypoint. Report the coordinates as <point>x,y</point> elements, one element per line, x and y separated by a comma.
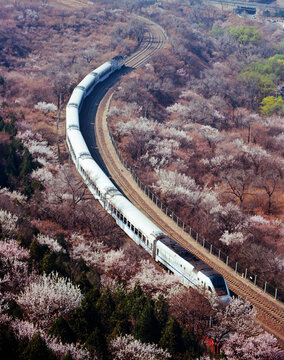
<point>128,224</point>
<point>147,242</point>
<point>118,214</point>
<point>219,284</point>
<point>136,231</point>
<point>157,251</point>
<point>124,220</point>
<point>209,288</point>
<point>132,227</point>
<point>139,234</point>
<point>143,238</point>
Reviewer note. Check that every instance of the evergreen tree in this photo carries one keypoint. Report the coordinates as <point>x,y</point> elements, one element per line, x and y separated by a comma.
<point>171,339</point>
<point>37,251</point>
<point>135,302</point>
<point>8,345</point>
<point>105,307</point>
<point>147,326</point>
<point>26,166</point>
<point>61,329</point>
<point>96,343</point>
<point>37,350</point>
<point>86,318</point>
<point>68,356</point>
<point>161,311</point>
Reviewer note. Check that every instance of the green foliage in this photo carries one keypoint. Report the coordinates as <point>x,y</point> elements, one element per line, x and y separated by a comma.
<point>37,251</point>
<point>37,350</point>
<point>261,77</point>
<point>86,318</point>
<point>14,310</point>
<point>105,307</point>
<point>147,327</point>
<point>216,31</point>
<point>8,345</point>
<point>273,67</point>
<point>2,81</point>
<point>272,105</point>
<point>246,34</point>
<point>171,339</point>
<point>61,329</point>
<point>96,342</point>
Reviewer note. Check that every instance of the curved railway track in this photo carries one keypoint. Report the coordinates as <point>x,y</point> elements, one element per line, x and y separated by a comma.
<point>270,312</point>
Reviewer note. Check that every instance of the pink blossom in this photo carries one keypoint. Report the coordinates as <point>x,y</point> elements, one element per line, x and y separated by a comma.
<point>52,244</point>
<point>262,347</point>
<point>49,296</point>
<point>8,222</point>
<point>11,250</point>
<point>152,280</point>
<point>126,347</point>
<point>27,329</point>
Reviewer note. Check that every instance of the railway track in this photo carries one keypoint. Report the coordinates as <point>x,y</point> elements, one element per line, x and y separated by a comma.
<point>270,312</point>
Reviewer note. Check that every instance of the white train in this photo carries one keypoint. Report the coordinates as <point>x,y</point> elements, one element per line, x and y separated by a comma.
<point>191,270</point>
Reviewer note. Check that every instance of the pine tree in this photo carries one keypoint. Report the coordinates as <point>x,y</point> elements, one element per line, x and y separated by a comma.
<point>37,350</point>
<point>172,337</point>
<point>96,342</point>
<point>61,329</point>
<point>147,326</point>
<point>8,345</point>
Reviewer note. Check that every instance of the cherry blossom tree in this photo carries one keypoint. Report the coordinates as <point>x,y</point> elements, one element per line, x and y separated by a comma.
<point>45,107</point>
<point>128,348</point>
<point>260,347</point>
<point>52,244</point>
<point>151,280</point>
<point>49,296</point>
<point>26,329</point>
<point>8,222</point>
<point>237,317</point>
<point>13,195</point>
<point>13,266</point>
<point>232,238</point>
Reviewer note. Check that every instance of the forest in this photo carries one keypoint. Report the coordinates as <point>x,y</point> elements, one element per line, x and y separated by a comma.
<point>204,131</point>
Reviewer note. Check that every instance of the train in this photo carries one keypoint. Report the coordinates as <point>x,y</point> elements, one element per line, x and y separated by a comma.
<point>192,271</point>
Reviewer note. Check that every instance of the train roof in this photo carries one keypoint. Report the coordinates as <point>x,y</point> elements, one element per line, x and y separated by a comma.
<point>88,80</point>
<point>115,197</point>
<point>135,216</point>
<point>72,117</point>
<point>78,143</point>
<point>197,263</point>
<point>76,97</point>
<point>103,68</point>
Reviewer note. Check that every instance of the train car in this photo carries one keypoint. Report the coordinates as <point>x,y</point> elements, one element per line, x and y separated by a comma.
<point>72,117</point>
<point>77,146</point>
<point>77,97</point>
<point>134,223</point>
<point>192,271</point>
<point>89,82</point>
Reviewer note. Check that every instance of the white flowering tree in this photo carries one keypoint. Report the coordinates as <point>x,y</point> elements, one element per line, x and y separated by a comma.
<point>237,317</point>
<point>13,266</point>
<point>8,223</point>
<point>128,348</point>
<point>260,347</point>
<point>48,296</point>
<point>45,107</point>
<point>25,329</point>
<point>152,280</point>
<point>51,243</point>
